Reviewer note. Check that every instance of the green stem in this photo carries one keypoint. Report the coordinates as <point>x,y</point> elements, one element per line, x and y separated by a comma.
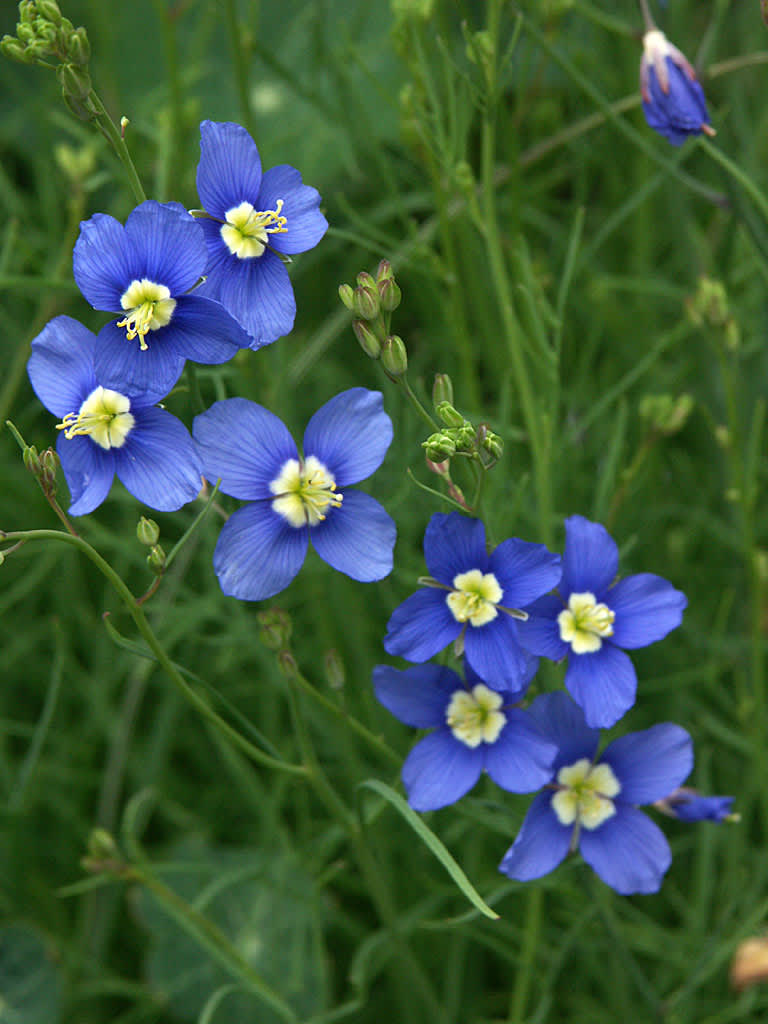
<point>745,182</point>
<point>530,941</point>
<point>110,131</point>
<point>240,64</point>
<point>414,400</point>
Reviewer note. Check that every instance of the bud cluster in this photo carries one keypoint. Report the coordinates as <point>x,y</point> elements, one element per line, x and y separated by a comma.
<point>43,35</point>
<point>709,307</point>
<point>666,414</point>
<point>458,436</point>
<point>372,302</point>
<point>43,467</point>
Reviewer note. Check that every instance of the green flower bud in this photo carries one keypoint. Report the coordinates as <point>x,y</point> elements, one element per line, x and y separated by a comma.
<point>465,438</point>
<point>147,532</point>
<point>464,176</point>
<point>369,343</point>
<point>365,280</point>
<point>79,48</point>
<point>384,272</point>
<point>347,296</point>
<point>32,460</point>
<point>49,10</point>
<point>394,357</point>
<point>439,447</point>
<point>442,389</point>
<point>25,32</point>
<point>45,31</point>
<point>75,82</point>
<point>101,845</point>
<point>367,303</point>
<point>14,50</point>
<point>390,295</point>
<point>27,12</point>
<point>666,414</point>
<point>156,560</point>
<point>287,664</point>
<point>275,628</point>
<point>83,110</point>
<point>451,417</point>
<point>49,464</point>
<point>493,444</point>
<point>334,669</point>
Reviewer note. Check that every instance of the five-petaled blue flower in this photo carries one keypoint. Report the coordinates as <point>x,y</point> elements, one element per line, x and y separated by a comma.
<point>687,804</point>
<point>592,620</point>
<point>251,220</point>
<point>673,100</point>
<point>292,497</point>
<point>107,431</point>
<point>590,803</point>
<point>144,271</point>
<point>476,729</point>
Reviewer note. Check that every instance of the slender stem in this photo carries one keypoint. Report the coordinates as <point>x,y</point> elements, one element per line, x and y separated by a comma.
<point>239,63</point>
<point>531,935</point>
<point>414,400</point>
<point>647,18</point>
<point>114,137</point>
<point>743,180</point>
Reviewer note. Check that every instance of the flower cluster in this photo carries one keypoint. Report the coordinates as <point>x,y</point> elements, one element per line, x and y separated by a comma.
<point>503,610</point>
<point>201,286</point>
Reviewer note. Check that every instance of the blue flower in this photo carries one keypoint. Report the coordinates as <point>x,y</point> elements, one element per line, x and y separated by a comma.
<point>590,803</point>
<point>673,100</point>
<point>291,498</point>
<point>476,729</point>
<point>687,804</point>
<point>106,432</point>
<point>144,271</point>
<point>473,596</point>
<point>251,220</point>
<point>592,620</point>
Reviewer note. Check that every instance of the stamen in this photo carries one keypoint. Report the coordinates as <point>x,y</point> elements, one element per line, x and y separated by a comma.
<point>247,230</point>
<point>150,307</point>
<point>474,716</point>
<point>585,622</point>
<point>475,597</point>
<point>104,416</point>
<point>584,794</point>
<point>304,492</point>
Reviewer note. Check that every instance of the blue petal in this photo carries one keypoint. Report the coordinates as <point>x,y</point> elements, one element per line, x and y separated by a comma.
<point>169,245</point>
<point>541,844</point>
<point>421,626</point>
<point>591,558</point>
<point>120,364</point>
<point>647,607</point>
<point>679,112</point>
<point>61,365</point>
<point>440,770</point>
<point>690,806</point>
<point>305,224</point>
<point>418,696</point>
<point>603,683</point>
<point>229,171</point>
<point>89,471</point>
<point>202,330</point>
<point>525,571</point>
<point>628,851</point>
<point>357,538</point>
<point>259,295</point>
<point>350,435</point>
<point>529,667</point>
<point>258,554</point>
<point>495,654</point>
<point>521,758</point>
<point>454,544</point>
<point>158,463</point>
<point>540,633</point>
<point>562,721</point>
<point>651,763</point>
<point>103,261</point>
<point>244,444</point>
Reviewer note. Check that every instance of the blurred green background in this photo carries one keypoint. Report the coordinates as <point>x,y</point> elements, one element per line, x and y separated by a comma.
<point>601,232</point>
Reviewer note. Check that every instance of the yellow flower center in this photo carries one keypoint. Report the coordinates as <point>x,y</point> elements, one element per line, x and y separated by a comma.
<point>584,796</point>
<point>474,597</point>
<point>247,231</point>
<point>474,715</point>
<point>305,491</point>
<point>584,623</point>
<point>149,306</point>
<point>104,417</point>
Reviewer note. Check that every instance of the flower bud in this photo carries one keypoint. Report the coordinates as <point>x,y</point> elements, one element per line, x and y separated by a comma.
<point>25,32</point>
<point>49,464</point>
<point>365,280</point>
<point>465,437</point>
<point>451,417</point>
<point>287,664</point>
<point>384,272</point>
<point>275,628</point>
<point>49,10</point>
<point>147,532</point>
<point>394,357</point>
<point>27,12</point>
<point>369,343</point>
<point>75,82</point>
<point>493,444</point>
<point>334,669</point>
<point>11,48</point>
<point>666,414</point>
<point>688,804</point>
<point>367,304</point>
<point>79,48</point>
<point>156,560</point>
<point>390,295</point>
<point>442,389</point>
<point>673,101</point>
<point>439,447</point>
<point>32,460</point>
<point>347,296</point>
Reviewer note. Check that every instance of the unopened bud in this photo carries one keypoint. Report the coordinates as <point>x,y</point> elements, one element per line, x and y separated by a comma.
<point>27,12</point>
<point>439,447</point>
<point>450,416</point>
<point>384,272</point>
<point>367,304</point>
<point>147,532</point>
<point>465,438</point>
<point>275,628</point>
<point>49,464</point>
<point>334,669</point>
<point>493,444</point>
<point>11,48</point>
<point>369,343</point>
<point>666,414</point>
<point>365,280</point>
<point>442,389</point>
<point>50,10</point>
<point>390,295</point>
<point>287,664</point>
<point>156,560</point>
<point>75,82</point>
<point>347,296</point>
<point>79,48</point>
<point>25,32</point>
<point>101,845</point>
<point>394,357</point>
<point>32,460</point>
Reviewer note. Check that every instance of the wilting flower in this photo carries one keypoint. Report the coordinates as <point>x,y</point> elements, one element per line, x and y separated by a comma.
<point>106,431</point>
<point>250,221</point>
<point>473,596</point>
<point>593,618</point>
<point>688,804</point>
<point>476,729</point>
<point>292,497</point>
<point>673,100</point>
<point>590,803</point>
<point>144,271</point>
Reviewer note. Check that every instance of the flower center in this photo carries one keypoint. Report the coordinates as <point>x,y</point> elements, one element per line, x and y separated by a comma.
<point>104,416</point>
<point>149,306</point>
<point>584,623</point>
<point>585,792</point>
<point>474,715</point>
<point>474,597</point>
<point>247,231</point>
<point>305,491</point>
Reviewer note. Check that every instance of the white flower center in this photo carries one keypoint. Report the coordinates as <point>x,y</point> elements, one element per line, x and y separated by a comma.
<point>149,306</point>
<point>104,417</point>
<point>584,797</point>
<point>584,623</point>
<point>474,716</point>
<point>247,231</point>
<point>305,491</point>
<point>474,597</point>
